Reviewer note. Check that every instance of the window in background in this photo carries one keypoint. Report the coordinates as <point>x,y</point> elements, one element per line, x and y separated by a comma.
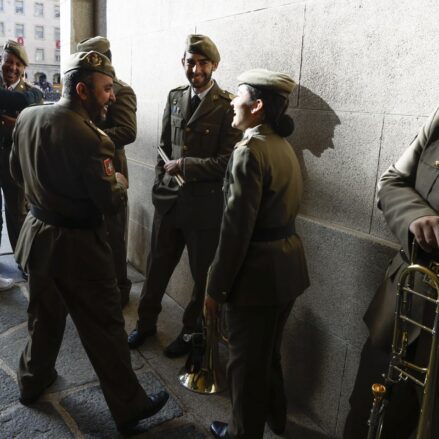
<point>57,55</point>
<point>56,10</point>
<point>57,34</point>
<point>2,29</point>
<point>2,5</point>
<point>19,6</point>
<point>39,55</point>
<point>39,9</point>
<point>39,32</point>
<point>19,30</point>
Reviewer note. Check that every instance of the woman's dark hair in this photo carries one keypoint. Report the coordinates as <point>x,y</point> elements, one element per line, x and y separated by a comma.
<point>275,106</point>
<point>71,79</point>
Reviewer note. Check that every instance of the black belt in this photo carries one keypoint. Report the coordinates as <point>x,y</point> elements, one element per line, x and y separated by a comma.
<point>55,219</point>
<point>274,233</point>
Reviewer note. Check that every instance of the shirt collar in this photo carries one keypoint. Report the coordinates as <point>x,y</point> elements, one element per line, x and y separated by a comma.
<point>204,93</point>
<point>12,87</point>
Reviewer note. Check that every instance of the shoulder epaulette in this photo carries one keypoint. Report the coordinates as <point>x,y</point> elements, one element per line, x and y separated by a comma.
<point>243,142</point>
<point>95,128</point>
<point>225,94</point>
<point>181,87</point>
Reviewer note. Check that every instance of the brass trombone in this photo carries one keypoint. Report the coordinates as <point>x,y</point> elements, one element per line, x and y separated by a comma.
<point>203,371</point>
<point>400,369</point>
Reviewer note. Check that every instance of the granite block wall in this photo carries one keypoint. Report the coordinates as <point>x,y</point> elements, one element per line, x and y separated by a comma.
<point>367,75</point>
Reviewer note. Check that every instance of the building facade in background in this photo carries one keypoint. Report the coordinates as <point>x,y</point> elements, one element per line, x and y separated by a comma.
<point>36,25</point>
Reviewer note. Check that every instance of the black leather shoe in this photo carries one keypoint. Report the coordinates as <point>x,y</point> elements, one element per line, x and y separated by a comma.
<point>178,348</point>
<point>30,399</point>
<point>219,430</point>
<point>136,338</point>
<point>274,427</point>
<point>155,403</point>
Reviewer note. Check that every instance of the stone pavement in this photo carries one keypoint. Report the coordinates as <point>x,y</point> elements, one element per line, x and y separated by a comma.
<point>73,407</point>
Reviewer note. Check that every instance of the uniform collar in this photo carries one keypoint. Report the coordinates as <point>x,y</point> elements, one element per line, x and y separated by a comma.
<point>10,87</point>
<point>204,93</point>
<point>74,105</point>
<point>258,129</point>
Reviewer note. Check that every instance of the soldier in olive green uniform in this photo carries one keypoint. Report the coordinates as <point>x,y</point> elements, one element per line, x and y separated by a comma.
<point>259,267</point>
<point>198,138</point>
<point>121,126</point>
<point>408,195</point>
<point>64,163</point>
<point>14,62</point>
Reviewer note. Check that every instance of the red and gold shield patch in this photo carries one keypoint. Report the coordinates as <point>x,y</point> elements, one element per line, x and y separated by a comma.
<point>108,167</point>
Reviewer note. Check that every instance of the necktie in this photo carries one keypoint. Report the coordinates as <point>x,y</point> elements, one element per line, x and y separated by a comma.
<point>195,101</point>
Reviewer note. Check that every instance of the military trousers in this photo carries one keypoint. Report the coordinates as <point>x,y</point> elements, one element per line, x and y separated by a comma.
<point>168,241</point>
<point>94,307</point>
<point>254,371</point>
<point>14,201</point>
<point>116,232</point>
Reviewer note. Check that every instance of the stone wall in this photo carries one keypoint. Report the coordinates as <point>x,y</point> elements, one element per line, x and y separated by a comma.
<point>367,72</point>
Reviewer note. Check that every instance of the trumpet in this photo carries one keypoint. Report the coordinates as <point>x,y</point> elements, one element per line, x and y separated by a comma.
<point>204,372</point>
<point>400,369</point>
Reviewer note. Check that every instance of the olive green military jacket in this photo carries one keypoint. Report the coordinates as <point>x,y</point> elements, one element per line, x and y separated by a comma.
<point>121,122</point>
<point>263,190</point>
<point>6,128</point>
<point>408,190</point>
<point>205,141</point>
<point>64,163</point>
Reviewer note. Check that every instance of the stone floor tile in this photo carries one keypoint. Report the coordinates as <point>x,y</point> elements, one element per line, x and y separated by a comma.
<point>89,409</point>
<point>13,307</point>
<point>41,421</point>
<point>8,390</point>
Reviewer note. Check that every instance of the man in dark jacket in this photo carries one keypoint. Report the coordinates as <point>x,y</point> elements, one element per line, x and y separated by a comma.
<point>15,94</point>
<point>408,195</point>
<point>120,124</point>
<point>64,162</point>
<point>198,138</point>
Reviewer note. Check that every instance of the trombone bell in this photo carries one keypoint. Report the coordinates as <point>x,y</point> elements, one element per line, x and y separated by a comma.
<point>204,372</point>
<point>205,381</point>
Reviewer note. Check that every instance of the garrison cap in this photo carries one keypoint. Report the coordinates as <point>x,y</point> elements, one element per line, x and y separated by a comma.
<point>18,50</point>
<point>98,44</point>
<point>279,83</point>
<point>91,61</point>
<point>196,43</point>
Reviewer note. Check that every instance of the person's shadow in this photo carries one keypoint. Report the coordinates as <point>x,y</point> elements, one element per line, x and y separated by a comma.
<point>315,123</point>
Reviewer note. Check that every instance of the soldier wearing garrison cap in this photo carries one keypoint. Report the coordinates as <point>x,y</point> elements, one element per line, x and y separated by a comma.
<point>259,268</point>
<point>65,163</point>
<point>15,94</point>
<point>198,138</point>
<point>120,125</point>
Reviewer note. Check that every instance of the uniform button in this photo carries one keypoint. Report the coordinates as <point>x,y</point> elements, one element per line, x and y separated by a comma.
<point>436,163</point>
<point>188,130</point>
<point>207,131</point>
<point>224,293</point>
<point>185,148</point>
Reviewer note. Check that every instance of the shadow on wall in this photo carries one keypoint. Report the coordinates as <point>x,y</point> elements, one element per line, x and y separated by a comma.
<point>314,127</point>
<point>302,364</point>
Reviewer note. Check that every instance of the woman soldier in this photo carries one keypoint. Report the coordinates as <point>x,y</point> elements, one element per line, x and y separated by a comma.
<point>259,268</point>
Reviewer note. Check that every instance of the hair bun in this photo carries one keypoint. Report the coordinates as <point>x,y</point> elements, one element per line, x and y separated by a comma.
<point>284,126</point>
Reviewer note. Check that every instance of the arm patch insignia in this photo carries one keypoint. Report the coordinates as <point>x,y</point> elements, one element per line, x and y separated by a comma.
<point>108,167</point>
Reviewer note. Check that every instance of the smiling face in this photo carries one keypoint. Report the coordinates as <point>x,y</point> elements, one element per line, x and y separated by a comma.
<point>98,95</point>
<point>12,68</point>
<point>198,70</point>
<point>247,113</point>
